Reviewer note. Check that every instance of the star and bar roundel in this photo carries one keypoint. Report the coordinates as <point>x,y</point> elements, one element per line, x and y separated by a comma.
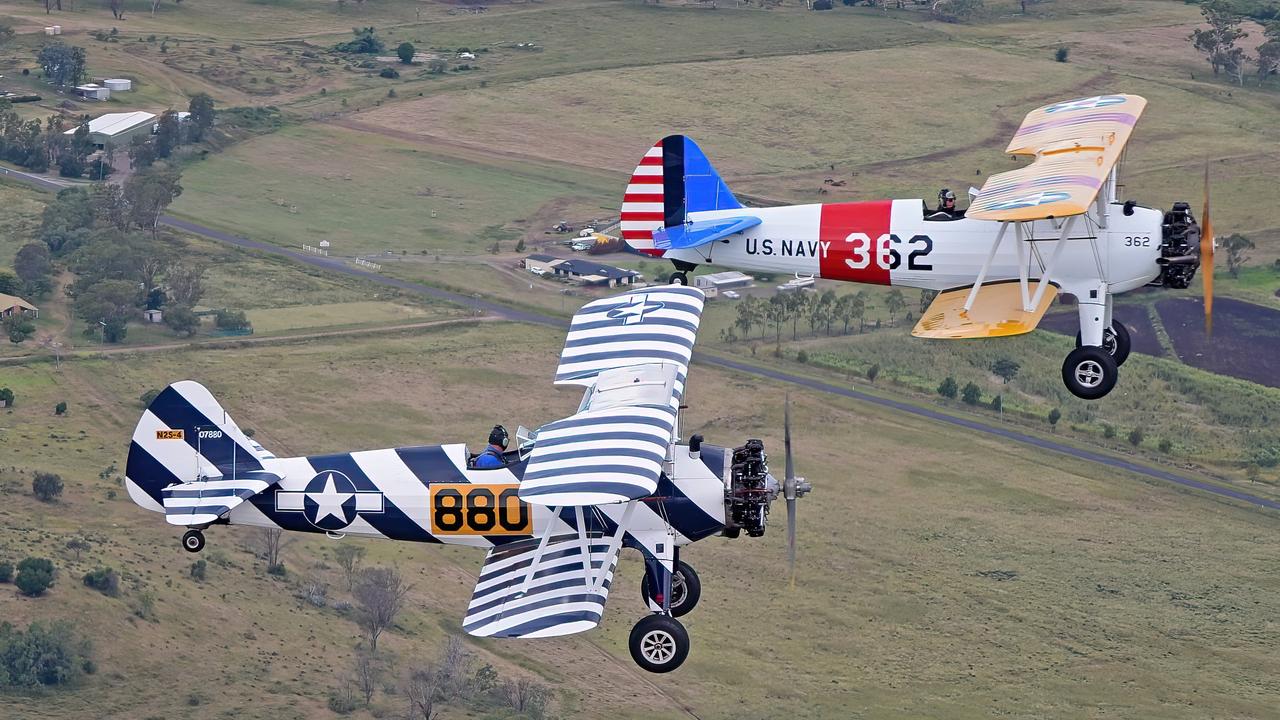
<point>330,501</point>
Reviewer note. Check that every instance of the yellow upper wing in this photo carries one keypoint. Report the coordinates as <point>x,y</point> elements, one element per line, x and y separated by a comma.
<point>1075,145</point>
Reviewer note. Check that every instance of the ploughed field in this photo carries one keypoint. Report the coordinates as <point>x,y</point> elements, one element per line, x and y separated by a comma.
<point>1245,342</point>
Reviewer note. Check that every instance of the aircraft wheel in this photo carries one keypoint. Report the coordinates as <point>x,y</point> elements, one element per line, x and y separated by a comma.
<point>1115,340</point>
<point>193,541</point>
<point>1090,372</point>
<point>686,590</point>
<point>659,643</point>
<point>678,278</point>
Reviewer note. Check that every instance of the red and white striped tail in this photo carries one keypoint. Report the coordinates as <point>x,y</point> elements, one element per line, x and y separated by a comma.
<point>642,204</point>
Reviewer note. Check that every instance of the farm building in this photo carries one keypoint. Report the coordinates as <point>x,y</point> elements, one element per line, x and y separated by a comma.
<point>10,305</point>
<point>591,273</point>
<point>118,128</point>
<point>118,84</point>
<point>93,91</point>
<point>541,264</point>
<point>723,280</point>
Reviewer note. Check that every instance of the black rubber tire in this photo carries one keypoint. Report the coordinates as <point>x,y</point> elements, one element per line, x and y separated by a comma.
<point>193,541</point>
<point>684,594</point>
<point>1120,343</point>
<point>659,643</point>
<point>1090,372</point>
<point>678,278</point>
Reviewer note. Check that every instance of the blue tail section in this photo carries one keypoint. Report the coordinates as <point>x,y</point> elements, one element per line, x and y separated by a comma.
<point>704,189</point>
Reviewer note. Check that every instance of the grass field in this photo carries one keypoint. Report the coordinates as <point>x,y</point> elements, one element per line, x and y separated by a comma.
<point>971,578</point>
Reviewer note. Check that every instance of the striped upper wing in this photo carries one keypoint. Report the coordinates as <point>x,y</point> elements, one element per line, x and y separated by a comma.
<point>1075,144</point>
<point>599,456</point>
<point>524,593</point>
<point>653,325</point>
<point>203,501</point>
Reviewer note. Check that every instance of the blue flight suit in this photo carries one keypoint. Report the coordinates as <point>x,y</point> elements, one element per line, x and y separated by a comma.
<point>491,458</point>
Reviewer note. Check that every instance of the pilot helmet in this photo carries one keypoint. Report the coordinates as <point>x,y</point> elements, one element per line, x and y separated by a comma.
<point>498,436</point>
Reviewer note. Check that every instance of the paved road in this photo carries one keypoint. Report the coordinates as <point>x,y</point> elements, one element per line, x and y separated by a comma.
<point>536,318</point>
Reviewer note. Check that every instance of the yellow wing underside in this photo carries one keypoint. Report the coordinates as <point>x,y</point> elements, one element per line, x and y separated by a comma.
<point>1075,144</point>
<point>997,312</point>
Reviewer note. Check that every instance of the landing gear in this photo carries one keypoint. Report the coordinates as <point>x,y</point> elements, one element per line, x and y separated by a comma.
<point>1090,372</point>
<point>659,643</point>
<point>193,541</point>
<point>678,278</point>
<point>686,590</point>
<point>1115,340</point>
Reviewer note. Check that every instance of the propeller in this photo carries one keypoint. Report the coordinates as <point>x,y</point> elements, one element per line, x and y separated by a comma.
<point>792,488</point>
<point>1206,256</point>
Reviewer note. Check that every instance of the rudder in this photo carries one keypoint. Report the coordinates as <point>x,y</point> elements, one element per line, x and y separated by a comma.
<point>673,179</point>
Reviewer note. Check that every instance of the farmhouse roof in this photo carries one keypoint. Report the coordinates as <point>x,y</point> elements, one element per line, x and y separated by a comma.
<point>587,268</point>
<point>10,301</point>
<point>116,123</point>
<point>542,258</point>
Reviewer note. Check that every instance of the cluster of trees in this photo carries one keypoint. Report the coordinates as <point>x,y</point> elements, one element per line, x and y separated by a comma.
<point>35,576</point>
<point>63,65</point>
<point>39,146</point>
<point>823,311</point>
<point>366,41</point>
<point>46,654</point>
<point>109,237</point>
<point>1218,42</point>
<point>171,133</point>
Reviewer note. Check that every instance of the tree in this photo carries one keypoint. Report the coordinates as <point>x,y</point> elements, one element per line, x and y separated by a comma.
<point>77,545</point>
<point>349,556</point>
<point>231,320</point>
<point>894,302</point>
<point>47,654</point>
<point>366,676</point>
<point>797,304</point>
<point>18,327</point>
<point>60,408</point>
<point>926,299</point>
<point>199,570</point>
<point>873,372</point>
<point>1061,54</point>
<point>971,394</point>
<point>1005,368</point>
<point>117,8</point>
<point>148,193</point>
<point>142,152</point>
<point>380,592</point>
<point>35,575</point>
<point>184,282</point>
<point>155,4</point>
<point>46,486</point>
<point>365,42</point>
<point>776,311</point>
<point>270,541</point>
<point>9,283</point>
<point>948,388</point>
<point>71,166</point>
<point>1218,41</point>
<point>1054,416</point>
<point>997,404</point>
<point>168,134</point>
<point>437,66</point>
<point>6,397</point>
<point>202,116</point>
<point>526,695</point>
<point>63,65</point>
<point>1236,246</point>
<point>32,264</point>
<point>112,302</point>
<point>1136,436</point>
<point>406,52</point>
<point>104,580</point>
<point>6,571</point>
<point>67,221</point>
<point>181,320</point>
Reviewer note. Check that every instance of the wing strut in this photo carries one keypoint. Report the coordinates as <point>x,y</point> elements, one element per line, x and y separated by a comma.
<point>615,543</point>
<point>986,266</point>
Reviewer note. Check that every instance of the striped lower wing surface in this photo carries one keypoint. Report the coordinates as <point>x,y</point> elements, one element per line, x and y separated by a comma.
<point>653,325</point>
<point>598,457</point>
<point>524,593</point>
<point>204,501</point>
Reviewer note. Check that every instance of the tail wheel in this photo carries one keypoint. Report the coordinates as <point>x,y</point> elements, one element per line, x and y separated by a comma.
<point>1115,340</point>
<point>193,541</point>
<point>1090,372</point>
<point>678,278</point>
<point>659,643</point>
<point>686,590</point>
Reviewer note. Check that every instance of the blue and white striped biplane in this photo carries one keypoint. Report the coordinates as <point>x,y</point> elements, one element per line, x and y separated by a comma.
<point>554,518</point>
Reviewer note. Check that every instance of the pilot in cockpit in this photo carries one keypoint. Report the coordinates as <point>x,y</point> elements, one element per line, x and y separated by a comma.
<point>492,457</point>
<point>947,209</point>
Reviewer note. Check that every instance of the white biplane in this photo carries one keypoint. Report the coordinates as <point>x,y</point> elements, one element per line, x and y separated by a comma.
<point>554,517</point>
<point>1056,224</point>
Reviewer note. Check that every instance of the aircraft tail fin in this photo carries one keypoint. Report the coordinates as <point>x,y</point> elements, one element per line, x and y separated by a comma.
<point>184,436</point>
<point>673,179</point>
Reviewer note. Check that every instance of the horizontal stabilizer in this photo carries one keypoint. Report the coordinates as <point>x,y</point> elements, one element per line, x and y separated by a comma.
<point>694,234</point>
<point>201,502</point>
<point>997,312</point>
<point>527,591</point>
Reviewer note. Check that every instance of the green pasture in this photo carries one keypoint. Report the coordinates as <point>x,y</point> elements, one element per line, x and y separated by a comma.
<point>933,563</point>
<point>20,210</point>
<point>366,193</point>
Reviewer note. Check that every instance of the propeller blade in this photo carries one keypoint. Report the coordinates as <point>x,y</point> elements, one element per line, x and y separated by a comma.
<point>786,429</point>
<point>791,537</point>
<point>1206,256</point>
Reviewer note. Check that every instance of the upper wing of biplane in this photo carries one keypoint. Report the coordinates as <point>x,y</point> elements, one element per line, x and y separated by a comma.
<point>1075,144</point>
<point>633,351</point>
